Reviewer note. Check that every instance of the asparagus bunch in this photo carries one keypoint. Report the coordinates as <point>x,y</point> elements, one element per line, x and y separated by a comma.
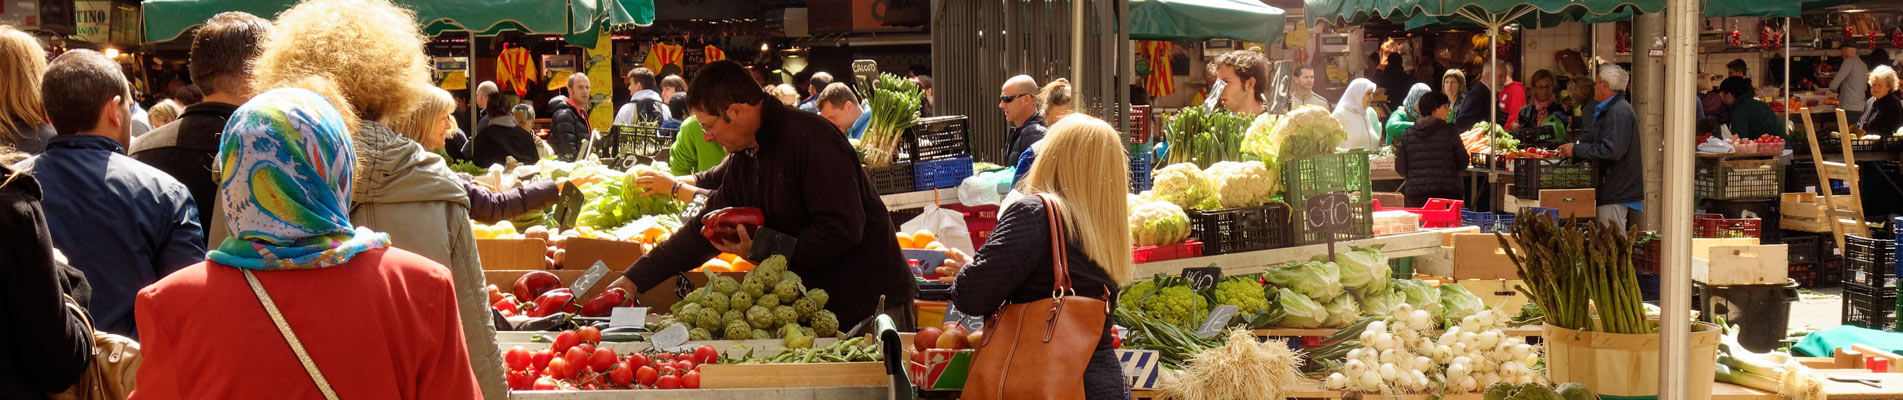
<point>1574,269</point>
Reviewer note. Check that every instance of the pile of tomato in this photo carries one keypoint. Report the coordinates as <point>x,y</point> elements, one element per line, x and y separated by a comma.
<point>574,362</point>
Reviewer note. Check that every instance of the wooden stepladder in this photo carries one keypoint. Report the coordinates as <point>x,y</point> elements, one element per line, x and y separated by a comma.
<point>1843,216</point>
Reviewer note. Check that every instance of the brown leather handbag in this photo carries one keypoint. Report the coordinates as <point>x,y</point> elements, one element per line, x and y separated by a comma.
<point>1038,350</point>
<point>115,364</point>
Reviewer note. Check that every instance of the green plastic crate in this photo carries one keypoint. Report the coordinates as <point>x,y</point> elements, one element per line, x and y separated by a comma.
<point>1726,183</point>
<point>1345,172</point>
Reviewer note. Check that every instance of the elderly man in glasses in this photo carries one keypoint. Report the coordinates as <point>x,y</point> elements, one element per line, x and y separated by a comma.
<point>1019,102</point>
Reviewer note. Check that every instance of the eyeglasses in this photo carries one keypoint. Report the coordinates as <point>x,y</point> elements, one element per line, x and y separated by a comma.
<point>1011,97</point>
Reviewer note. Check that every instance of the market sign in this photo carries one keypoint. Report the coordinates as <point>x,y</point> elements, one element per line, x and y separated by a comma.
<point>23,14</point>
<point>92,20</point>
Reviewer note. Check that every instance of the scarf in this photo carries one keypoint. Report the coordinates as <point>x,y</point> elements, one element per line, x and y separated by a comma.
<point>1413,100</point>
<point>287,163</point>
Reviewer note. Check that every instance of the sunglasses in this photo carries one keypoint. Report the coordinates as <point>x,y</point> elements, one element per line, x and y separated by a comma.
<point>1011,97</point>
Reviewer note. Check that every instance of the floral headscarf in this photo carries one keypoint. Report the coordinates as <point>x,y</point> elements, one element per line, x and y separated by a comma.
<point>287,169</point>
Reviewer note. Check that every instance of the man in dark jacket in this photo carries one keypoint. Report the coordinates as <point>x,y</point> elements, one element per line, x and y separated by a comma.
<point>500,138</point>
<point>1430,155</point>
<point>799,170</point>
<point>1612,140</point>
<point>52,354</point>
<point>1019,102</point>
<point>221,58</point>
<point>1750,118</point>
<point>1477,104</point>
<point>569,119</point>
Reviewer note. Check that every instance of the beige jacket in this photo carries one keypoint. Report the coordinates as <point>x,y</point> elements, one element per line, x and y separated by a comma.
<point>412,195</point>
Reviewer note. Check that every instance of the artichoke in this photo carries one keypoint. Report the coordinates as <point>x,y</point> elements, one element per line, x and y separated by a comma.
<point>733,315</point>
<point>740,301</point>
<point>825,324</point>
<point>709,320</point>
<point>738,330</point>
<point>688,312</point>
<point>753,287</point>
<point>716,301</point>
<point>699,334</point>
<point>762,334</point>
<point>760,317</point>
<point>805,308</point>
<point>818,296</point>
<point>784,314</point>
<point>724,285</point>
<point>769,300</point>
<point>788,289</point>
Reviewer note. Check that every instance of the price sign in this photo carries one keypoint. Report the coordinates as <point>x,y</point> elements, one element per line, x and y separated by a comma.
<point>970,322</point>
<point>1202,277</point>
<point>589,278</point>
<point>1218,320</point>
<point>635,317</point>
<point>673,338</point>
<point>1326,215</point>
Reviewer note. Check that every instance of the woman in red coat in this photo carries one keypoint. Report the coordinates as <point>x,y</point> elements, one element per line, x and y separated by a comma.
<point>368,320</point>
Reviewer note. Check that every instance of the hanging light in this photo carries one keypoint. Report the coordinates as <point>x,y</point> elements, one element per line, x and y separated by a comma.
<point>111,52</point>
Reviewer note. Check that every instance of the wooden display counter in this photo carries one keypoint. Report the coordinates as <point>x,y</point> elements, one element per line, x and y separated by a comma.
<point>1412,244</point>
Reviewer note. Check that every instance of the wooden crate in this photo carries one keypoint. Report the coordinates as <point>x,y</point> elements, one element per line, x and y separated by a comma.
<point>1701,247</point>
<point>1571,203</point>
<point>1743,265</point>
<point>583,253</point>
<point>1497,293</point>
<point>512,254</point>
<point>1447,234</point>
<point>726,376</point>
<point>1479,256</point>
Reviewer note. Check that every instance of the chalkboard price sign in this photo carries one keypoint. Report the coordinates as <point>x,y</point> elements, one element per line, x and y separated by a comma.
<point>1202,277</point>
<point>1326,215</point>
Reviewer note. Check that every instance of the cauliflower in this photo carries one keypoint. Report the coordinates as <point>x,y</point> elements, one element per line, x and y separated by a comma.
<point>1241,184</point>
<point>1157,223</point>
<point>1306,132</point>
<point>1182,184</point>
<point>1177,305</point>
<point>1244,293</point>
<point>1257,139</point>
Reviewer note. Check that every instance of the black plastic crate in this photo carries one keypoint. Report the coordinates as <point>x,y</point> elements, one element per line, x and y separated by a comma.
<point>944,137</point>
<point>1237,230</point>
<point>1869,262</point>
<point>895,178</point>
<point>1801,249</point>
<point>1331,173</point>
<point>1759,208</point>
<point>1818,274</point>
<point>1869,307</point>
<point>1866,145</point>
<point>1722,182</point>
<point>1530,175</point>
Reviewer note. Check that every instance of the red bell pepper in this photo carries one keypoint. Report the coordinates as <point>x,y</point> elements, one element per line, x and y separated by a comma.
<point>508,306</point>
<point>531,285</point>
<point>554,301</point>
<point>605,302</point>
<point>722,225</point>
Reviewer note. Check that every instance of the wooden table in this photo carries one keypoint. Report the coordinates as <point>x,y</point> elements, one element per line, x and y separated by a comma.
<point>1522,331</point>
<point>1394,246</point>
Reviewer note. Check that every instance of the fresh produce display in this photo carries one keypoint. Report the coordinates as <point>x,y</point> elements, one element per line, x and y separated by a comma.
<point>1167,298</point>
<point>1533,153</point>
<point>857,349</point>
<point>1241,368</point>
<point>895,103</point>
<point>921,240</point>
<point>770,302</point>
<point>1184,185</point>
<point>615,201</point>
<point>1305,132</point>
<point>1156,223</point>
<point>1203,137</point>
<point>1398,353</point>
<point>1485,138</point>
<point>725,262</point>
<point>1537,391</point>
<point>1317,280</point>
<point>573,362</point>
<point>1775,372</point>
<point>1174,344</point>
<point>1580,274</point>
<point>1241,183</point>
<point>556,256</point>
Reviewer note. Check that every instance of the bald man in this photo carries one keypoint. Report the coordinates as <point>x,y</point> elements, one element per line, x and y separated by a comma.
<point>481,102</point>
<point>568,123</point>
<point>1018,99</point>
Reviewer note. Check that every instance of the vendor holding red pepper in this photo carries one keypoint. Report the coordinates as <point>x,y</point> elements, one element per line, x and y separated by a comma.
<point>814,200</point>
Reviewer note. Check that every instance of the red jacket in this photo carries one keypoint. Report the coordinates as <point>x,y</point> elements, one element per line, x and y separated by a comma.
<point>382,326</point>
<point>1512,97</point>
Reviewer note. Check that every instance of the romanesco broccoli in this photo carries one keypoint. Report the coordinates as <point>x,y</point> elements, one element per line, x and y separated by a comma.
<point>1178,305</point>
<point>1244,293</point>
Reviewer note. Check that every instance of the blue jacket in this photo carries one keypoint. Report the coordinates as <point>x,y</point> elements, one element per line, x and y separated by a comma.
<point>858,128</point>
<point>1612,139</point>
<point>123,223</point>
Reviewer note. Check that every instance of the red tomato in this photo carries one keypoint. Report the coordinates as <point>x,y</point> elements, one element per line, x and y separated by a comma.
<point>586,348</point>
<point>647,375</point>
<point>602,360</point>
<point>558,368</point>
<point>639,360</point>
<point>622,374</point>
<point>668,382</point>
<point>590,335</point>
<point>565,340</point>
<point>544,383</point>
<point>706,355</point>
<point>540,359</point>
<point>691,380</point>
<point>521,380</point>
<point>517,358</point>
<point>684,365</point>
<point>664,357</point>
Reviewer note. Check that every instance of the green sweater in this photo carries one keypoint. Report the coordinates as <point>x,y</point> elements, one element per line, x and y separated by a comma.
<point>691,152</point>
<point>1751,118</point>
<point>1397,126</point>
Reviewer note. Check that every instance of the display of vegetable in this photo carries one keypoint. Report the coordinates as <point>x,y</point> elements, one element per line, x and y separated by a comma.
<point>1316,280</point>
<point>1343,310</point>
<point>1204,137</point>
<point>1397,353</point>
<point>1173,343</point>
<point>1242,368</point>
<point>575,362</point>
<point>1776,372</point>
<point>857,349</point>
<point>1289,309</point>
<point>603,303</point>
<point>723,225</point>
<point>1185,185</point>
<point>895,103</point>
<point>1244,292</point>
<point>1420,294</point>
<point>1241,183</point>
<point>1458,303</point>
<point>1305,132</point>
<point>1156,223</point>
<point>769,302</point>
<point>1167,298</point>
<point>1486,138</point>
<point>534,283</point>
<point>554,301</point>
<point>615,201</point>
<point>1362,268</point>
<point>1576,272</point>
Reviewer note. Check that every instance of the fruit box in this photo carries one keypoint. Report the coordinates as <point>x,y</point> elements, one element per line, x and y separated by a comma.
<point>1743,265</point>
<point>512,254</point>
<point>583,252</point>
<point>728,376</point>
<point>939,369</point>
<point>1141,367</point>
<point>1479,256</point>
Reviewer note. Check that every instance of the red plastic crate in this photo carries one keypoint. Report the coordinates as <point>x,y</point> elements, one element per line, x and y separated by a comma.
<point>1717,226</point>
<point>1437,213</point>
<point>1186,249</point>
<point>1140,127</point>
<point>980,220</point>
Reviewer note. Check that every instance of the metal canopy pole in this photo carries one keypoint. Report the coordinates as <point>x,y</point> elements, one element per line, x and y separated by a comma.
<point>1681,27</point>
<point>1493,22</point>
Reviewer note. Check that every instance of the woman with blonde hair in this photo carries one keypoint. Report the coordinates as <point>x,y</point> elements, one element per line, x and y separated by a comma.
<point>1453,83</point>
<point>1056,99</point>
<point>430,125</point>
<point>1886,110</point>
<point>1084,174</point>
<point>371,51</point>
<point>163,113</point>
<point>23,124</point>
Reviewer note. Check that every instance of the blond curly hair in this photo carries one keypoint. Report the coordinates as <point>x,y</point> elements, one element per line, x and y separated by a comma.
<point>370,51</point>
<point>22,61</point>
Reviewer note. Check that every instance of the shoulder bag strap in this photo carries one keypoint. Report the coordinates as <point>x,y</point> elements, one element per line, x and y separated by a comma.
<point>1060,266</point>
<point>291,337</point>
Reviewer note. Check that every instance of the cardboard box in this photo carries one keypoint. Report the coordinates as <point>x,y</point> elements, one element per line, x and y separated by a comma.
<point>1743,265</point>
<point>1141,367</point>
<point>728,376</point>
<point>1572,203</point>
<point>617,254</point>
<point>1497,293</point>
<point>512,254</point>
<point>940,369</point>
<point>1701,248</point>
<point>1447,234</point>
<point>1479,256</point>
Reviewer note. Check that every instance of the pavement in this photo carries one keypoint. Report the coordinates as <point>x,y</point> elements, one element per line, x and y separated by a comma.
<point>1818,312</point>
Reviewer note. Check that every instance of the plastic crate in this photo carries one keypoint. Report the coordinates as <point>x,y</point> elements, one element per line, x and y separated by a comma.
<point>1330,173</point>
<point>1645,257</point>
<point>1530,175</point>
<point>895,178</point>
<point>1488,222</point>
<point>1869,261</point>
<point>1869,307</point>
<point>1717,226</point>
<point>1141,163</point>
<point>939,174</point>
<point>1141,126</point>
<point>939,138</point>
<point>1186,249</point>
<point>980,220</point>
<point>1725,183</point>
<point>1866,144</point>
<point>1818,274</point>
<point>1395,222</point>
<point>1437,213</point>
<point>1802,249</point>
<point>1237,230</point>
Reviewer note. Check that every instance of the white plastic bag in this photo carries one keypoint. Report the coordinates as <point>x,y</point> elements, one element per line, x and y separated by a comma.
<point>981,189</point>
<point>947,224</point>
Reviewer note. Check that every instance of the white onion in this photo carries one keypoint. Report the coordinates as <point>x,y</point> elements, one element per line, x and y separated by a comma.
<point>1354,354</point>
<point>1336,381</point>
<point>1369,380</point>
<point>1367,336</point>
<point>1458,369</point>
<point>1467,384</point>
<point>1422,363</point>
<point>1388,371</point>
<point>1384,341</point>
<point>1354,365</point>
<point>1420,320</point>
<point>1487,340</point>
<point>1420,380</point>
<point>1377,326</point>
<point>1390,357</point>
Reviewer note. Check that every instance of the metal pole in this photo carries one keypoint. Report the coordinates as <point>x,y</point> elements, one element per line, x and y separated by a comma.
<point>1787,72</point>
<point>470,83</point>
<point>1681,27</point>
<point>1077,82</point>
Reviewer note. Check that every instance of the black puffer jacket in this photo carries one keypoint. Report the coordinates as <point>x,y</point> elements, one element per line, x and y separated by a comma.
<point>568,128</point>
<point>50,347</point>
<point>1430,156</point>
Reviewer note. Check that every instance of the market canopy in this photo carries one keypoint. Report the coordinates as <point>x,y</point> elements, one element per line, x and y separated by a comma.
<point>1440,13</point>
<point>579,21</point>
<point>1188,20</point>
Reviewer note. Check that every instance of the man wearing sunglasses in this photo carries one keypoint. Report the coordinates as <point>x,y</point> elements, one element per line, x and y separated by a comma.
<point>1019,102</point>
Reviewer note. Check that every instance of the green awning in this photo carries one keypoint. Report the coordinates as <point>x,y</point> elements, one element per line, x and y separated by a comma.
<point>1193,20</point>
<point>577,20</point>
<point>1421,13</point>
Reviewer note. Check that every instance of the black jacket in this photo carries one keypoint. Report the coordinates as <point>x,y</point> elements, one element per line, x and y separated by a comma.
<point>497,142</point>
<point>1022,136</point>
<point>1015,267</point>
<point>806,179</point>
<point>47,346</point>
<point>187,149</point>
<point>1430,156</point>
<point>487,206</point>
<point>29,139</point>
<point>1612,139</point>
<point>1884,116</point>
<point>1474,106</point>
<point>568,128</point>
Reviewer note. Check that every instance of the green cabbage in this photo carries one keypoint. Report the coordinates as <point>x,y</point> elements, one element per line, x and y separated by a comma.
<point>1419,295</point>
<point>1317,280</point>
<point>1459,303</point>
<point>1380,302</point>
<point>1342,311</point>
<point>1293,310</point>
<point>1363,269</point>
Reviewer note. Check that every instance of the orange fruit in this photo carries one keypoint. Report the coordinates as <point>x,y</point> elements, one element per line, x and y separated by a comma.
<point>905,241</point>
<point>728,257</point>
<point>717,265</point>
<point>741,265</point>
<point>924,236</point>
<point>934,246</point>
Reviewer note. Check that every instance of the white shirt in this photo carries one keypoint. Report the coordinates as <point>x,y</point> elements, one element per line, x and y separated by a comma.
<point>1851,83</point>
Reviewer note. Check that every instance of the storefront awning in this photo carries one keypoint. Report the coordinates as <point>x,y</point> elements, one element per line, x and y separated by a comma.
<point>1191,20</point>
<point>1440,13</point>
<point>577,20</point>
